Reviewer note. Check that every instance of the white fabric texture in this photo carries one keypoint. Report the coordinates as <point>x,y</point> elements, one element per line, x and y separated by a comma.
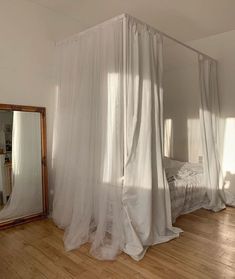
<point>93,201</point>
<point>146,197</point>
<point>26,196</point>
<point>187,187</point>
<point>209,122</point>
<point>89,140</point>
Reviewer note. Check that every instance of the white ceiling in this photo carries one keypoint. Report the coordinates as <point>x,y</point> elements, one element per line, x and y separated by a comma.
<point>184,19</point>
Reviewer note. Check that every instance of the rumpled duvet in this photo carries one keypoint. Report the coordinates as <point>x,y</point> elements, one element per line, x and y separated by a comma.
<point>187,187</point>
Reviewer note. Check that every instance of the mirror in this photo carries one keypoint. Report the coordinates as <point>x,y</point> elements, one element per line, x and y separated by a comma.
<point>23,174</point>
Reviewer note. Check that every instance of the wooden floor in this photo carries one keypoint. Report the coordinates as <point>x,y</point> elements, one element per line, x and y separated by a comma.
<point>206,249</point>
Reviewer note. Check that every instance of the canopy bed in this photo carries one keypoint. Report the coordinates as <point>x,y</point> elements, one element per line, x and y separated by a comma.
<point>111,187</point>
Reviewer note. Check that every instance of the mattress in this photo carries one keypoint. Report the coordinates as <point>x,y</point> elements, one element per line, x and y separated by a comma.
<point>187,187</point>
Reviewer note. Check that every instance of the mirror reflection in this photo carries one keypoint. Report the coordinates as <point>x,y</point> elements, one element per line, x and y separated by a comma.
<point>20,164</point>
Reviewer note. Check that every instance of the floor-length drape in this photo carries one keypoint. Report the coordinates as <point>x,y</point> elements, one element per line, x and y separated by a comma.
<point>110,186</point>
<point>26,196</point>
<point>209,122</point>
<point>89,140</point>
<point>146,197</point>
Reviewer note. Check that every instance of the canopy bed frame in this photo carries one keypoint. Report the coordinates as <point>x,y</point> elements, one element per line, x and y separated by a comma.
<point>110,113</point>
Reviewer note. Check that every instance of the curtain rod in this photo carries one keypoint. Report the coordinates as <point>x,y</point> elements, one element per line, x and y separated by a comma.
<point>141,22</point>
<point>187,46</point>
<point>171,38</point>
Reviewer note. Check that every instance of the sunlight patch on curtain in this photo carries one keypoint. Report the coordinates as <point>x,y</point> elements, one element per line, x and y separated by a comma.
<point>229,147</point>
<point>168,138</point>
<point>113,100</point>
<point>194,141</point>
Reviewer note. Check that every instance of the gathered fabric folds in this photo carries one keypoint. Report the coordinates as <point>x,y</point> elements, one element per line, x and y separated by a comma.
<point>110,185</point>
<point>89,141</point>
<point>210,123</point>
<point>146,197</point>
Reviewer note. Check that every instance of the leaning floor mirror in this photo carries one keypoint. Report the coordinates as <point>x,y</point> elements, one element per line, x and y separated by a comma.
<point>23,171</point>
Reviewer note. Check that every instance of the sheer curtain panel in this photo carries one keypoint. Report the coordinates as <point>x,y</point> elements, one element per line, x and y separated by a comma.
<point>146,197</point>
<point>89,140</point>
<point>209,122</point>
<point>110,186</point>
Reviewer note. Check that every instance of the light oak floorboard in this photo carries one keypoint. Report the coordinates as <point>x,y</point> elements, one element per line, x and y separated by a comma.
<point>206,249</point>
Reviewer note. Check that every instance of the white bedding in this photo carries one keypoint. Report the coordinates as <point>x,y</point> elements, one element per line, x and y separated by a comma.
<point>187,187</point>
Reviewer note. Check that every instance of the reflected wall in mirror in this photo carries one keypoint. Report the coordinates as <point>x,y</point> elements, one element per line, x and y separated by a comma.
<point>23,173</point>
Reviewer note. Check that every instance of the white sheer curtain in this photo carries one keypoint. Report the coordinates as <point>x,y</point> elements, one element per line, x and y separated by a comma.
<point>93,201</point>
<point>146,197</point>
<point>209,121</point>
<point>89,140</point>
<point>26,196</point>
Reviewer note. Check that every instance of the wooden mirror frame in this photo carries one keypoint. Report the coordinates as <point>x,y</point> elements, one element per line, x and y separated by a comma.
<point>44,213</point>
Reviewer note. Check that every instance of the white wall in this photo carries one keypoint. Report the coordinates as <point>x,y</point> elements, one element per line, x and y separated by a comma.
<point>27,38</point>
<point>181,103</point>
